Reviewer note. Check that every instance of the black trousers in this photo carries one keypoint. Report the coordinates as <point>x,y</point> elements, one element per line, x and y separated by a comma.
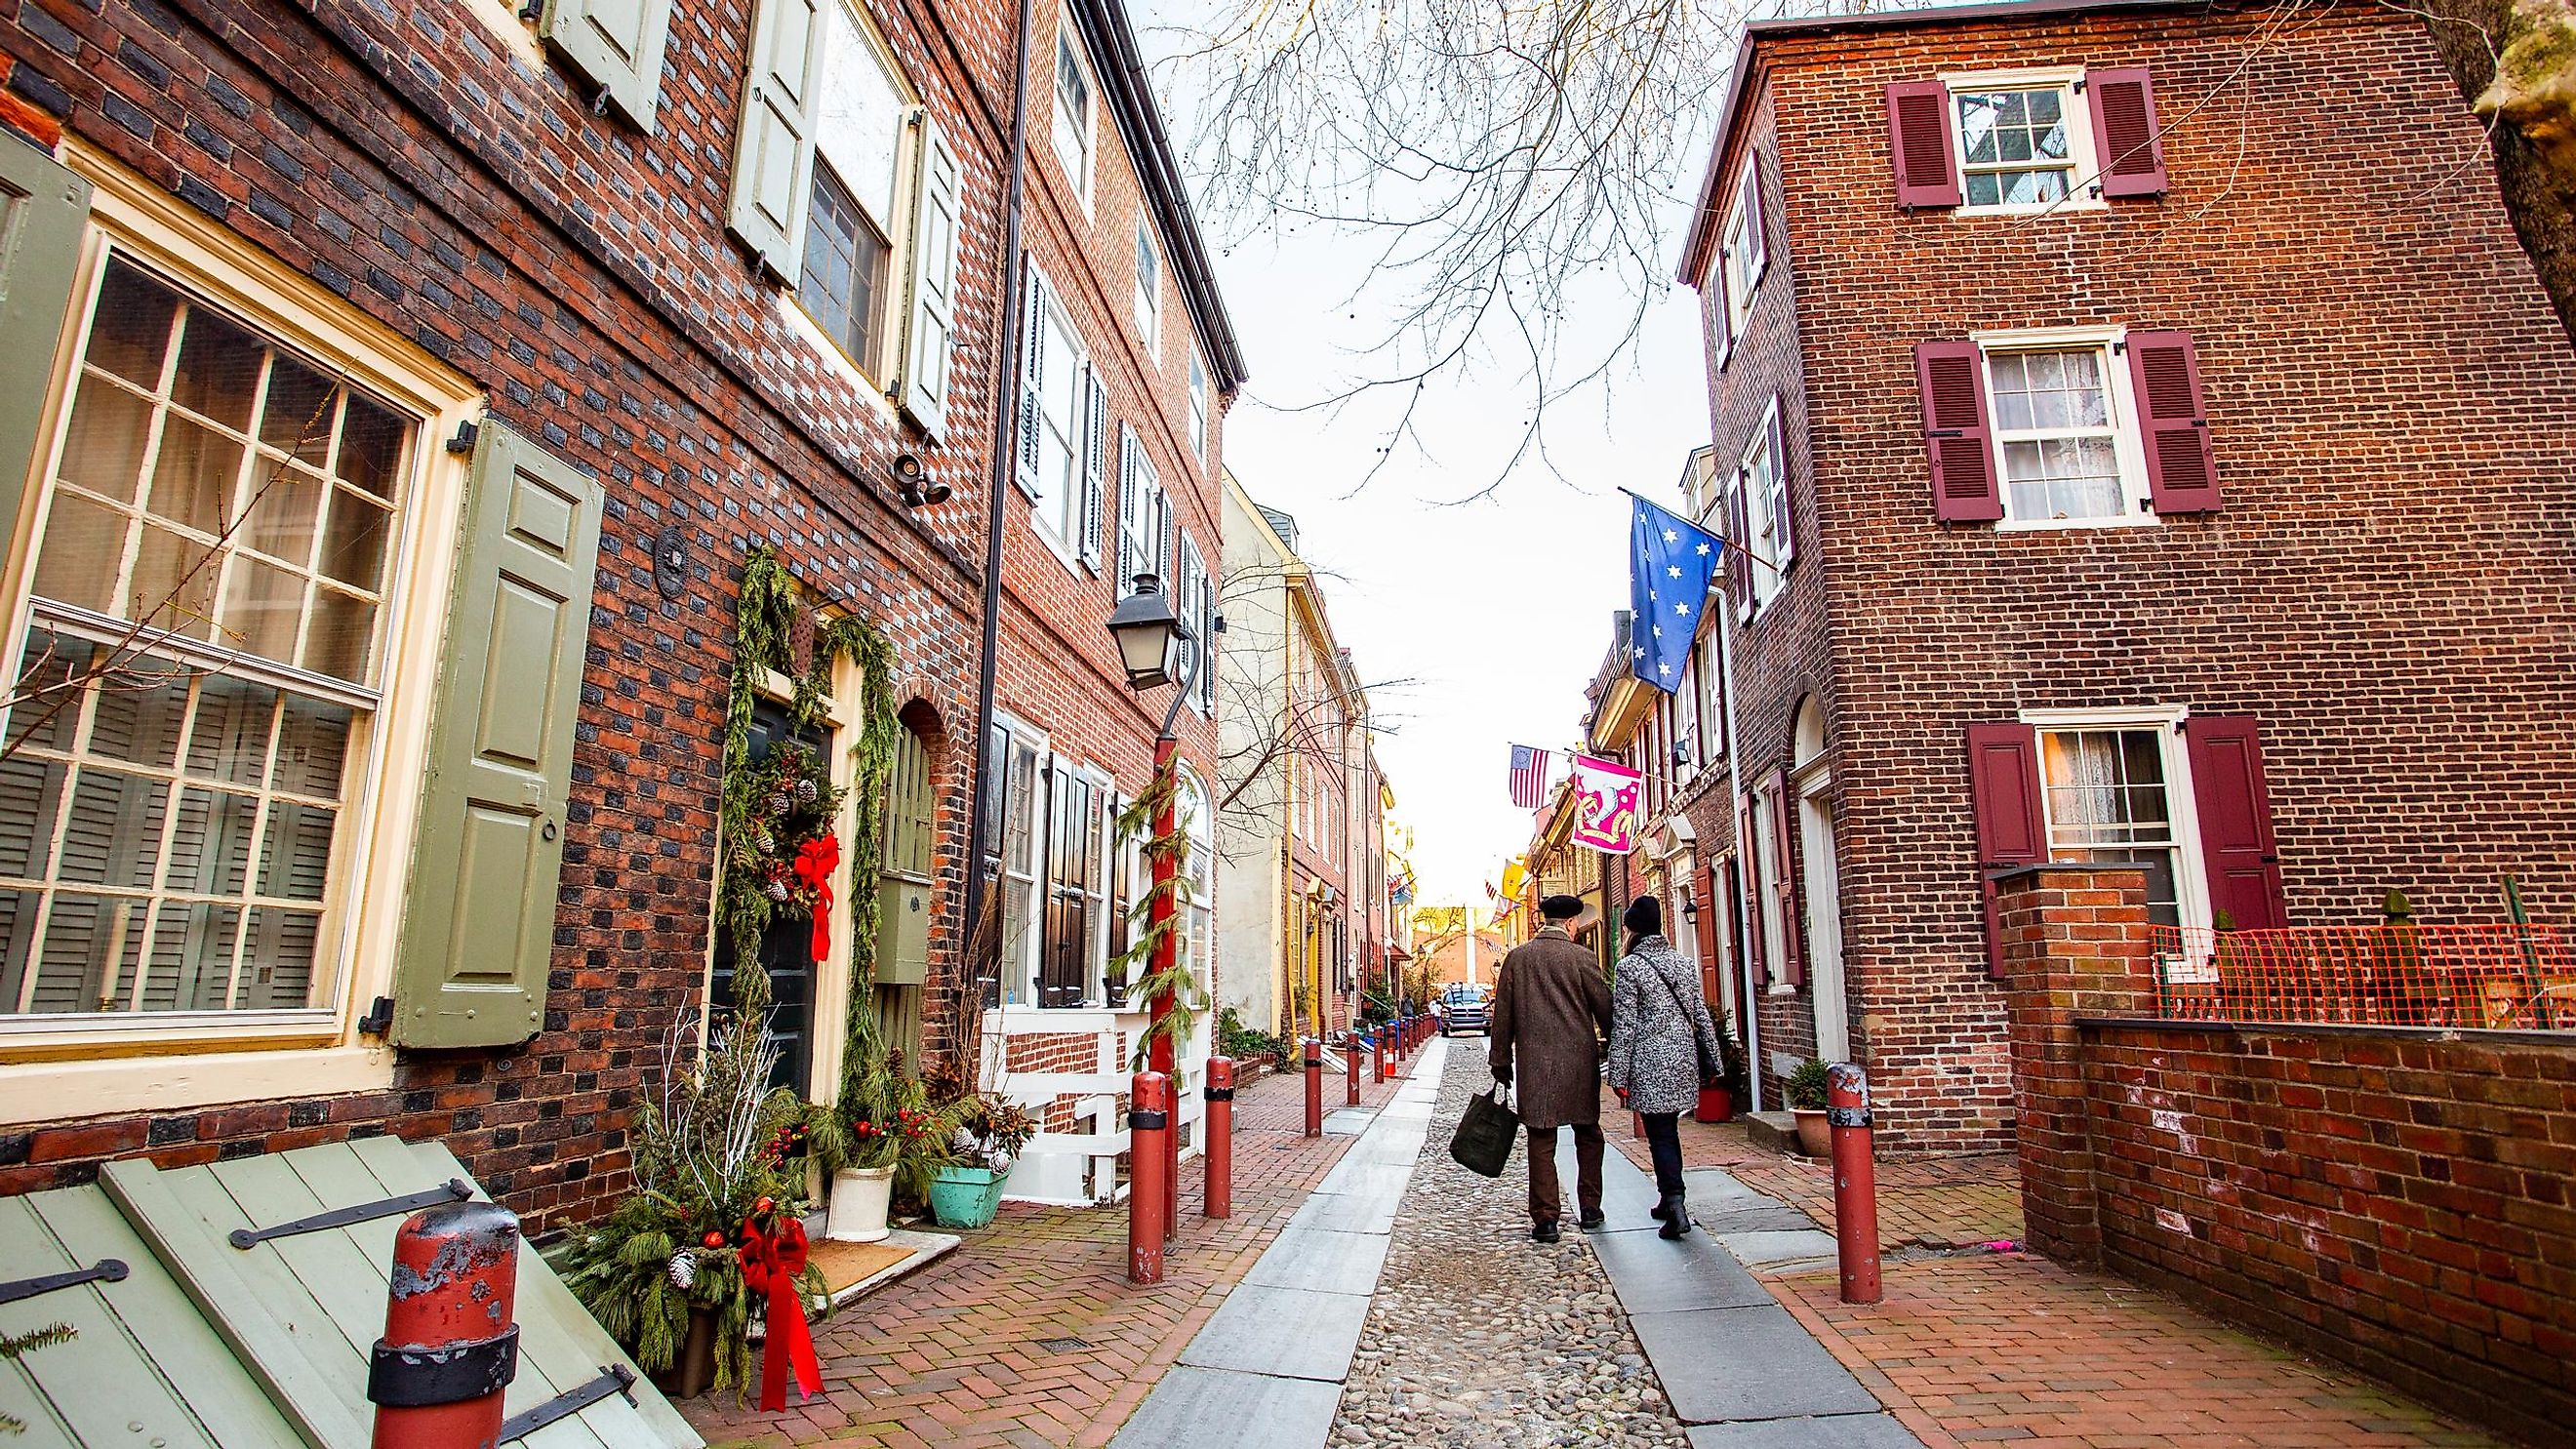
<point>1664,1140</point>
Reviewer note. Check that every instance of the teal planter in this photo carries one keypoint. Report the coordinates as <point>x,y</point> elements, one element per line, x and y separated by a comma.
<point>965,1197</point>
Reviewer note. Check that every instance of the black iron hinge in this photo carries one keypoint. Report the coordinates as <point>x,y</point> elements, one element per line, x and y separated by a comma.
<point>453,1190</point>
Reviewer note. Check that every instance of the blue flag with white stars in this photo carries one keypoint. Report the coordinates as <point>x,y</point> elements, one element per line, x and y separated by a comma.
<point>1670,563</point>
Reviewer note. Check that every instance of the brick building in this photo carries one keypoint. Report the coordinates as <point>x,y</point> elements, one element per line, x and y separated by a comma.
<point>545,324</point>
<point>2144,445</point>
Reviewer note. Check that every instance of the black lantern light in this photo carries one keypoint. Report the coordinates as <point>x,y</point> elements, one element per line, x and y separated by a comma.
<point>1149,635</point>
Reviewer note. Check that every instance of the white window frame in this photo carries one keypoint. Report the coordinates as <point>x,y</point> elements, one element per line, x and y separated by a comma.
<point>2126,446</point>
<point>172,1060</point>
<point>1023,972</point>
<point>1096,900</point>
<point>2191,881</point>
<point>891,298</point>
<point>1746,234</point>
<point>1064,540</point>
<point>1770,905</point>
<point>2083,184</point>
<point>1198,408</point>
<point>1764,515</point>
<point>1079,168</point>
<point>1149,295</point>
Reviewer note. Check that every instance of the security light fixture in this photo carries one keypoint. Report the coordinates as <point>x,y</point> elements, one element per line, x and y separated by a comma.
<point>917,492</point>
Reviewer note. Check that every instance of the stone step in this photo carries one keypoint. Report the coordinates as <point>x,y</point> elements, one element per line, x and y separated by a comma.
<point>1777,1131</point>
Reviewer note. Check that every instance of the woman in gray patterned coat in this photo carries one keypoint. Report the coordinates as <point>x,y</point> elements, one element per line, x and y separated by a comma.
<point>1659,1034</point>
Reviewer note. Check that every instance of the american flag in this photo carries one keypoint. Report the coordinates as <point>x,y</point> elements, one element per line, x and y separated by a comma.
<point>1529,776</point>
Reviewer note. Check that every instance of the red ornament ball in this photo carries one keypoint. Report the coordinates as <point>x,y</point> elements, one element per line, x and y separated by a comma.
<point>764,1207</point>
<point>713,1239</point>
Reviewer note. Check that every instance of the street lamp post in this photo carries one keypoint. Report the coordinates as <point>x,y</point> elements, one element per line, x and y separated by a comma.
<point>1153,647</point>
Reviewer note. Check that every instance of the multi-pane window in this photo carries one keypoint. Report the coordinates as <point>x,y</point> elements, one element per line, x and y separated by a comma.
<point>1198,407</point>
<point>850,221</point>
<point>1072,108</point>
<point>2014,146</point>
<point>1076,879</point>
<point>1020,759</point>
<point>200,671</point>
<point>1712,703</point>
<point>2105,798</point>
<point>1765,503</point>
<point>1058,490</point>
<point>1149,293</point>
<point>2057,436</point>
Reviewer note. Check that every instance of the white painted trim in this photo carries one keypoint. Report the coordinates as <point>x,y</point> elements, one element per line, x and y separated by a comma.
<point>2110,716</point>
<point>2128,447</point>
<point>2077,114</point>
<point>55,1091</point>
<point>2191,877</point>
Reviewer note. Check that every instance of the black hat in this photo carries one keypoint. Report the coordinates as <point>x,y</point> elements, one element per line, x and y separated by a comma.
<point>1561,908</point>
<point>1645,916</point>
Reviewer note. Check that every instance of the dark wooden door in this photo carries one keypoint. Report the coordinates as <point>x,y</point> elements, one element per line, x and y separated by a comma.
<point>786,948</point>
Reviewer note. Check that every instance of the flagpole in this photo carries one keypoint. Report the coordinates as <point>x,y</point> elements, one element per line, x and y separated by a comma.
<point>1743,854</point>
<point>1723,541</point>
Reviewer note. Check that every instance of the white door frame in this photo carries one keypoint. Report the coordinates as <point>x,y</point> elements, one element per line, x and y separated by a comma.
<point>1823,887</point>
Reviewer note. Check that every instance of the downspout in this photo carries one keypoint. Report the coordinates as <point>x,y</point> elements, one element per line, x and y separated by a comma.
<point>1743,858</point>
<point>1006,406</point>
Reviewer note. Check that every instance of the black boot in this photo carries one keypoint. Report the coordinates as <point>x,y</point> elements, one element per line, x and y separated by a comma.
<point>1676,1216</point>
<point>1662,1211</point>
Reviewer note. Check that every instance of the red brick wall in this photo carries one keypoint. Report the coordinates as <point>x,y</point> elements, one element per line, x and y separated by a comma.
<point>2394,414</point>
<point>579,271</point>
<point>2402,1199</point>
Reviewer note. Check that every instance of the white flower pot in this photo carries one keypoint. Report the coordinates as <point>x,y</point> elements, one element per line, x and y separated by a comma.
<point>860,1196</point>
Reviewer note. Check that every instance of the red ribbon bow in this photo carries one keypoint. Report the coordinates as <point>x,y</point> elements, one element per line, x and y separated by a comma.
<point>770,1263</point>
<point>815,862</point>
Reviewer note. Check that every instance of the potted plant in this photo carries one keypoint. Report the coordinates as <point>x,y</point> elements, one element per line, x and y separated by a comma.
<point>891,1142</point>
<point>968,1191</point>
<point>1806,1093</point>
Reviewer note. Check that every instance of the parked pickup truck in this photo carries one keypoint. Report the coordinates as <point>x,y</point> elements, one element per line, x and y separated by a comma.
<point>1462,1008</point>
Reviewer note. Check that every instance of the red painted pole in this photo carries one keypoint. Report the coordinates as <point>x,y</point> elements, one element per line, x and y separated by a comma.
<point>1377,1052</point>
<point>1149,1130</point>
<point>1351,1070</point>
<point>1855,1181</point>
<point>1314,1088</point>
<point>1218,1200</point>
<point>451,1342</point>
<point>1166,820</point>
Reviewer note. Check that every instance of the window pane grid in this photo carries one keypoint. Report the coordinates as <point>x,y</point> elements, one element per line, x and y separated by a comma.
<point>2052,415</point>
<point>2013,146</point>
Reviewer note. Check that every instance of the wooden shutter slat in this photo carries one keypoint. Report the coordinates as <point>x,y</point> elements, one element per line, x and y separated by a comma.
<point>1919,147</point>
<point>618,45</point>
<point>2238,854</point>
<point>1131,531</point>
<point>773,157</point>
<point>1792,892</point>
<point>43,210</point>
<point>1095,469</point>
<point>1032,376</point>
<point>930,309</point>
<point>2127,148</point>
<point>1951,377</point>
<point>478,928</point>
<point>2003,789</point>
<point>2173,423</point>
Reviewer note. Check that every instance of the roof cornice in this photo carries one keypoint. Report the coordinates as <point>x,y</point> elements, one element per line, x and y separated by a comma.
<point>1121,65</point>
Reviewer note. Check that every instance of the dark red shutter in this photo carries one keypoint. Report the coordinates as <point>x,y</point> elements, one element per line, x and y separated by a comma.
<point>2173,425</point>
<point>1747,832</point>
<point>2125,143</point>
<point>1704,896</point>
<point>2237,850</point>
<point>1918,142</point>
<point>1739,556</point>
<point>1952,377</point>
<point>2003,781</point>
<point>1793,944</point>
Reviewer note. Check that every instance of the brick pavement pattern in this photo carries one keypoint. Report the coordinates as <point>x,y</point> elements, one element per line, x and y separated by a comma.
<point>1482,1339</point>
<point>1029,1334</point>
<point>2015,1349</point>
<point>1933,1202</point>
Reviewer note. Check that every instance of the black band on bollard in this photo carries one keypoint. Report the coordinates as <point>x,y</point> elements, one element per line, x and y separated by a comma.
<point>1148,1120</point>
<point>416,1378</point>
<point>1219,1094</point>
<point>1846,1116</point>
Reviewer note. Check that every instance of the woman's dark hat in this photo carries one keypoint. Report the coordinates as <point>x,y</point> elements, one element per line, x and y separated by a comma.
<point>1645,916</point>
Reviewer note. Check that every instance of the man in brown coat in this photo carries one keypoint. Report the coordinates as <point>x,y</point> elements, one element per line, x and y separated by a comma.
<point>1551,1013</point>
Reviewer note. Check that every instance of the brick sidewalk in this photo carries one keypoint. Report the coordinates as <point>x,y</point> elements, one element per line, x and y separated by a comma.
<point>2013,1348</point>
<point>1029,1334</point>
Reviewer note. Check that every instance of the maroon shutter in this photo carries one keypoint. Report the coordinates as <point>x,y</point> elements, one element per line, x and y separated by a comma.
<point>1704,928</point>
<point>2124,132</point>
<point>1739,538</point>
<point>1918,142</point>
<point>2237,851</point>
<point>1747,832</point>
<point>1793,952</point>
<point>1952,378</point>
<point>2173,425</point>
<point>2003,782</point>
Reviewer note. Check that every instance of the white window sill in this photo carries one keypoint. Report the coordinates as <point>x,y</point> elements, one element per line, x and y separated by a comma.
<point>51,1091</point>
<point>2035,209</point>
<point>161,1027</point>
<point>829,352</point>
<point>1063,554</point>
<point>2073,525</point>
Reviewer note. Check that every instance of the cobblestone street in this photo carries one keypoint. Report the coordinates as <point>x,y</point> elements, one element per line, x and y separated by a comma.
<point>1482,1339</point>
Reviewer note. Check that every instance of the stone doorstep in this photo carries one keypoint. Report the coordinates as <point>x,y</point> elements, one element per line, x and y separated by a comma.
<point>927,1248</point>
<point>1773,1131</point>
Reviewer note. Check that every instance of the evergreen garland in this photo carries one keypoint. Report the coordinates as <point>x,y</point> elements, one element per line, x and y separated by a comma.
<point>14,1345</point>
<point>1177,982</point>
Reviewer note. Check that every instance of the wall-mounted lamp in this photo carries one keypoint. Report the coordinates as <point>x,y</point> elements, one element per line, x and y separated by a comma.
<point>917,492</point>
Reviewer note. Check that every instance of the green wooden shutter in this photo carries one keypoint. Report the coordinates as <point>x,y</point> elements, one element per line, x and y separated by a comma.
<point>618,45</point>
<point>773,154</point>
<point>931,310</point>
<point>478,928</point>
<point>43,209</point>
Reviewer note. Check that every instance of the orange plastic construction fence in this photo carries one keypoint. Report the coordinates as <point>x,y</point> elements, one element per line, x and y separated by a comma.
<point>2493,977</point>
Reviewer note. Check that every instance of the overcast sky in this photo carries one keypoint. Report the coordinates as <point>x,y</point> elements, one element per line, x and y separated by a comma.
<point>1479,624</point>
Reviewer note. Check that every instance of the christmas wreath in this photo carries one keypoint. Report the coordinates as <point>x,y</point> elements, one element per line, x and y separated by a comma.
<point>784,847</point>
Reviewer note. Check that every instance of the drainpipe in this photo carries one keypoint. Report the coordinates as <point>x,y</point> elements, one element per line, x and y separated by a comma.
<point>1006,406</point>
<point>1752,994</point>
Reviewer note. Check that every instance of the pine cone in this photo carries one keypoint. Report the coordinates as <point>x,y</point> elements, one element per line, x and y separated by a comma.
<point>684,1271</point>
<point>807,792</point>
<point>764,842</point>
<point>776,890</point>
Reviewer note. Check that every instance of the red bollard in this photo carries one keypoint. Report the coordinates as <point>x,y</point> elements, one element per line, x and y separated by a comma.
<point>1149,1129</point>
<point>1314,1088</point>
<point>1351,1071</point>
<point>1377,1052</point>
<point>451,1342</point>
<point>1218,1200</point>
<point>1855,1181</point>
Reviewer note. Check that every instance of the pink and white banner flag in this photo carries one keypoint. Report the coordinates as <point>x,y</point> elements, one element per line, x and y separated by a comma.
<point>1607,808</point>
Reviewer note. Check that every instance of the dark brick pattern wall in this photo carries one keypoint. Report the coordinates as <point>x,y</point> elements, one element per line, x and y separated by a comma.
<point>2401,1199</point>
<point>577,269</point>
<point>2394,414</point>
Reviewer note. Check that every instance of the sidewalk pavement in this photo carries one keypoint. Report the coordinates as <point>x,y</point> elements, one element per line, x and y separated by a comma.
<point>1266,1371</point>
<point>1030,1334</point>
